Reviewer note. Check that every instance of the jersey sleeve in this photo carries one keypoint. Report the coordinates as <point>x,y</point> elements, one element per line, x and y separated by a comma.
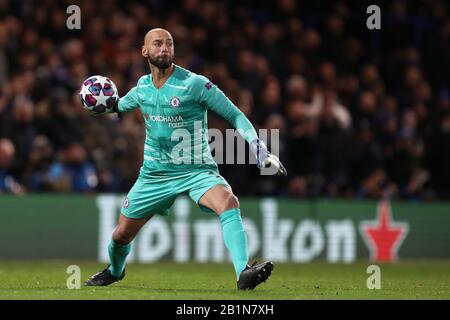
<point>129,102</point>
<point>211,97</point>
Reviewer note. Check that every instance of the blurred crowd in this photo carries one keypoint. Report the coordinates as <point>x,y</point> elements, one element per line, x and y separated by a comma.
<point>361,113</point>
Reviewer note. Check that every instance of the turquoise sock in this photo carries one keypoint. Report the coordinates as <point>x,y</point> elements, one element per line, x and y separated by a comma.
<point>117,255</point>
<point>235,238</point>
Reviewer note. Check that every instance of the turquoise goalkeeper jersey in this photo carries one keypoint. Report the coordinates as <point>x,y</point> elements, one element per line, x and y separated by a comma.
<point>175,116</point>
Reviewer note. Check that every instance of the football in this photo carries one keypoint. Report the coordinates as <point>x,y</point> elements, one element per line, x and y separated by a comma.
<point>99,94</point>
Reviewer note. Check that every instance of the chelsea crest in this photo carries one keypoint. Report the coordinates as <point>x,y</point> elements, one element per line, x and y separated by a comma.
<point>175,102</point>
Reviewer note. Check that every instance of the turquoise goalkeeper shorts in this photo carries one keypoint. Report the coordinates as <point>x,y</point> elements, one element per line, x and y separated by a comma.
<point>149,197</point>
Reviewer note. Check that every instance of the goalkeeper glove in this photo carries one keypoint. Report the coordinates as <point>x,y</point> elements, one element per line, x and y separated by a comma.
<point>265,159</point>
<point>116,110</point>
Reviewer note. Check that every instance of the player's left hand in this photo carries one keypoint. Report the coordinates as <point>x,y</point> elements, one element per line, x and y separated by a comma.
<point>275,161</point>
<point>265,159</point>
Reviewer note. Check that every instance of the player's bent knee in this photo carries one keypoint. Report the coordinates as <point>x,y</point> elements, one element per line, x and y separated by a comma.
<point>122,236</point>
<point>231,202</point>
<point>234,202</point>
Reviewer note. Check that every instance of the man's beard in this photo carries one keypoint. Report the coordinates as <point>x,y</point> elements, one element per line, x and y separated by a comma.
<point>162,62</point>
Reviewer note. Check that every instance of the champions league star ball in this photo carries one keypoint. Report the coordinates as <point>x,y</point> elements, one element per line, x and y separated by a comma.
<point>99,95</point>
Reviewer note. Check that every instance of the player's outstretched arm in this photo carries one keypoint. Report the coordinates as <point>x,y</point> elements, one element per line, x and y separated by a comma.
<point>128,102</point>
<point>213,98</point>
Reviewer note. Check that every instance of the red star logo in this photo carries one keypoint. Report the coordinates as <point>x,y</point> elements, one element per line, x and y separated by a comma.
<point>383,237</point>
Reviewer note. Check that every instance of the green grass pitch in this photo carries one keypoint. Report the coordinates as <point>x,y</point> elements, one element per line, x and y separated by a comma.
<point>169,281</point>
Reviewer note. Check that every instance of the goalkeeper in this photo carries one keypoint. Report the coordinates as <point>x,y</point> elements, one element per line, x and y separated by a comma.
<point>177,159</point>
